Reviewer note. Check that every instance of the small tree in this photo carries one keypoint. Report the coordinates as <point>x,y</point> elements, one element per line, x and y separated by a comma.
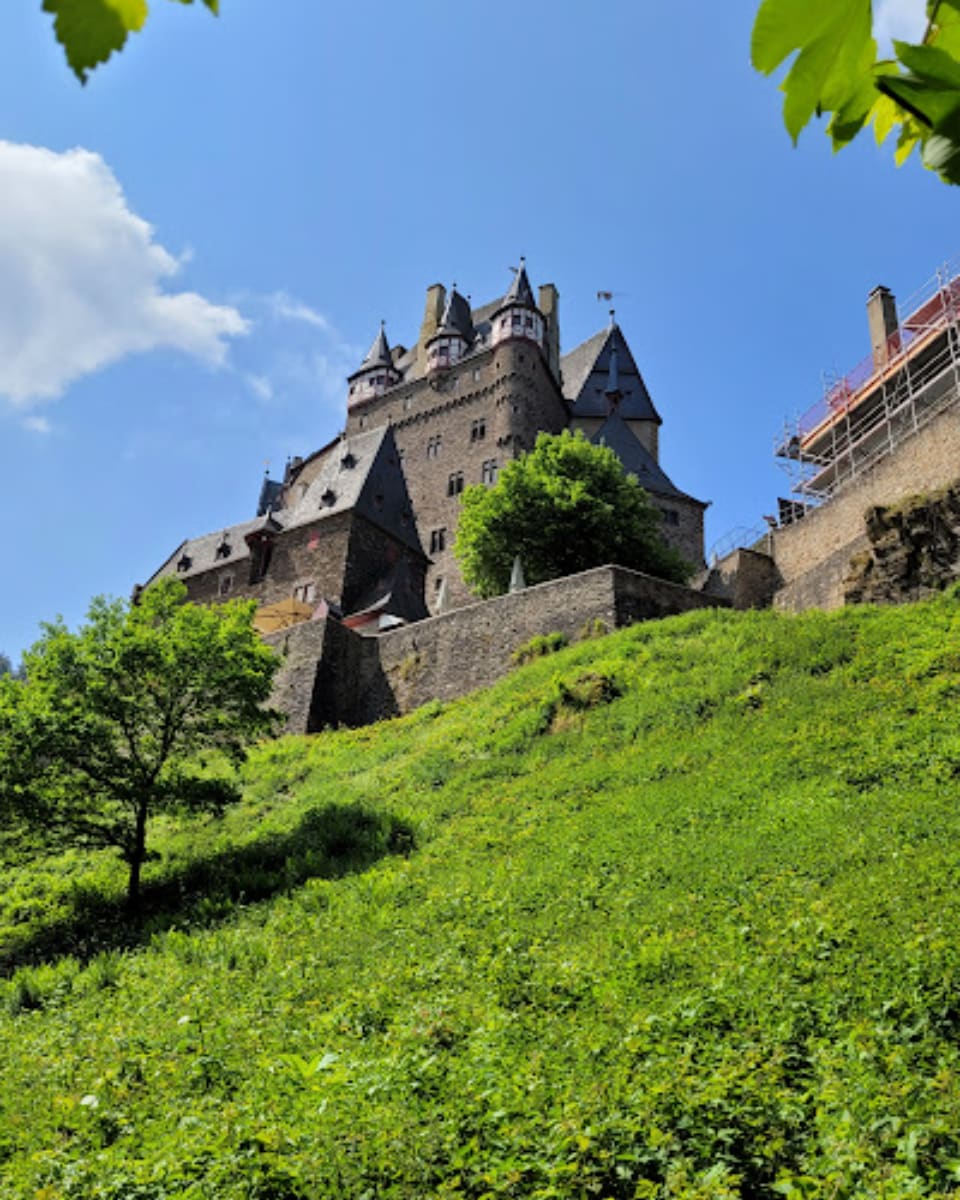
<point>110,723</point>
<point>564,507</point>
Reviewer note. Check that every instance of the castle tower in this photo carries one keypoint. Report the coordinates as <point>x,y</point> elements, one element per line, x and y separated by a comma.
<point>455,335</point>
<point>375,374</point>
<point>518,315</point>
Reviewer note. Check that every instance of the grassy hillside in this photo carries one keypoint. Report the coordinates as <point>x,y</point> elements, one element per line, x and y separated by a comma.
<point>671,913</point>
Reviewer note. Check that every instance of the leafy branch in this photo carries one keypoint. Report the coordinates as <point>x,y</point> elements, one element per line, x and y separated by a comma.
<point>91,30</point>
<point>836,70</point>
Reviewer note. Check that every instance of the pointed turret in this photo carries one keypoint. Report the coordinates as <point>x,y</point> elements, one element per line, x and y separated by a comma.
<point>376,373</point>
<point>518,315</point>
<point>454,336</point>
<point>379,353</point>
<point>520,291</point>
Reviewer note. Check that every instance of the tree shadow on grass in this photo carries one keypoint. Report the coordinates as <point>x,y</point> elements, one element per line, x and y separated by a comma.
<point>329,842</point>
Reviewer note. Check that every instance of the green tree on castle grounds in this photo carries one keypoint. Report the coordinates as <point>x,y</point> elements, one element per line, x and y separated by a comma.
<point>564,507</point>
<point>109,727</point>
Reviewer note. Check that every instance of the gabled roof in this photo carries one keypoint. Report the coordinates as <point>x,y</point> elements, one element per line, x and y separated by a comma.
<point>397,594</point>
<point>586,379</point>
<point>637,460</point>
<point>373,486</point>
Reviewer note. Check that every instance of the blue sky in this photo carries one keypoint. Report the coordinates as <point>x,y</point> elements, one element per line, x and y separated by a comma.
<point>197,246</point>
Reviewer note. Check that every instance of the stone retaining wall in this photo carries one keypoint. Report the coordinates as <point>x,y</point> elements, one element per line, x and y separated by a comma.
<point>332,675</point>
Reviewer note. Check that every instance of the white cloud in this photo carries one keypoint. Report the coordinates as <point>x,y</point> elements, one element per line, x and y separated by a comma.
<point>260,385</point>
<point>286,308</point>
<point>37,425</point>
<point>81,278</point>
<point>901,19</point>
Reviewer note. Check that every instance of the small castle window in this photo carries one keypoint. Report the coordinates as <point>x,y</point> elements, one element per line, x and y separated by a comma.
<point>438,583</point>
<point>455,483</point>
<point>478,429</point>
<point>348,461</point>
<point>488,472</point>
<point>528,321</point>
<point>433,446</point>
<point>438,541</point>
<point>476,374</point>
<point>184,563</point>
<point>225,585</point>
<point>670,516</point>
<point>306,593</point>
<point>224,550</point>
<point>517,320</point>
<point>329,498</point>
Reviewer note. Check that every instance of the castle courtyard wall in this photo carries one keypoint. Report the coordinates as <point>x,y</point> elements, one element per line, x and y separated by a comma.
<point>813,554</point>
<point>332,675</point>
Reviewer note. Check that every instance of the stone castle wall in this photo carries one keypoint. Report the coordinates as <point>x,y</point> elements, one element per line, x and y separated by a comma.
<point>332,675</point>
<point>489,407</point>
<point>813,555</point>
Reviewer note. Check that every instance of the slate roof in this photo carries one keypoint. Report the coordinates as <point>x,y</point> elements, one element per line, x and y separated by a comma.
<point>520,291</point>
<point>586,378</point>
<point>374,486</point>
<point>457,318</point>
<point>378,355</point>
<point>636,458</point>
<point>396,594</point>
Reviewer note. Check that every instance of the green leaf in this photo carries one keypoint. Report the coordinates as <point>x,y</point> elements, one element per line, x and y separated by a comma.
<point>783,26</point>
<point>828,70</point>
<point>929,63</point>
<point>885,115</point>
<point>945,34</point>
<point>91,30</point>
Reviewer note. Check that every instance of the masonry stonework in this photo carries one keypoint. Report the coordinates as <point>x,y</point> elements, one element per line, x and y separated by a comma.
<point>331,675</point>
<point>812,555</point>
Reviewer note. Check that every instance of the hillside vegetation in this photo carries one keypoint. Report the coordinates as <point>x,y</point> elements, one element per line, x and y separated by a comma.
<point>670,913</point>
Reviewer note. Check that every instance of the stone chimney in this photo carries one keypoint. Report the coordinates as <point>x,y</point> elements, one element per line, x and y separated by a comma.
<point>550,307</point>
<point>432,316</point>
<point>882,319</point>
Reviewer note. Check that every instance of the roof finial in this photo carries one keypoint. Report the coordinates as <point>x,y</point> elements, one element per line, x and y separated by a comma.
<point>613,314</point>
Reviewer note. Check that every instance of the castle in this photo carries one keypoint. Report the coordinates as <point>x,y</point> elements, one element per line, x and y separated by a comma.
<point>356,539</point>
<point>364,527</point>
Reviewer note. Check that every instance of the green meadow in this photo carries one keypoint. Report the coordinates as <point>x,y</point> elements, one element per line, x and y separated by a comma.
<point>668,913</point>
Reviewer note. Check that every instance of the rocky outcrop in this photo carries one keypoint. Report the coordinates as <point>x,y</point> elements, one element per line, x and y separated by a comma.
<point>914,550</point>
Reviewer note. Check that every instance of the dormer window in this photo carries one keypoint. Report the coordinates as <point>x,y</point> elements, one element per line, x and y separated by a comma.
<point>224,550</point>
<point>184,563</point>
<point>329,498</point>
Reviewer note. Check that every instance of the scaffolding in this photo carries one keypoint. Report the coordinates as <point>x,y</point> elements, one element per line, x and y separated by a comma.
<point>866,414</point>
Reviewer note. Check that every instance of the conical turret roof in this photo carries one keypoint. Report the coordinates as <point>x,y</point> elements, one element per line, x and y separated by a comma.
<point>520,291</point>
<point>456,321</point>
<point>379,353</point>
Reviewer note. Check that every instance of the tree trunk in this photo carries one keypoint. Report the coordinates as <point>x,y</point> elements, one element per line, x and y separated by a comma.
<point>138,853</point>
